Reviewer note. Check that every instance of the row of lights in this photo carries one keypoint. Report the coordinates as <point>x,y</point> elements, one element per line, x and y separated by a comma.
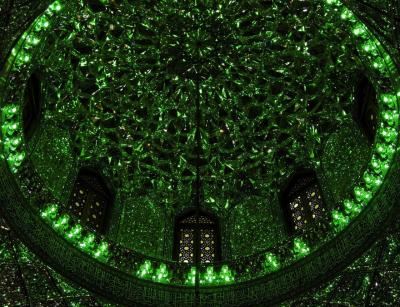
<point>62,223</point>
<point>163,275</point>
<point>21,54</point>
<point>372,178</point>
<point>211,277</point>
<point>373,53</point>
<point>272,262</point>
<point>11,134</point>
<point>387,134</point>
<point>75,233</point>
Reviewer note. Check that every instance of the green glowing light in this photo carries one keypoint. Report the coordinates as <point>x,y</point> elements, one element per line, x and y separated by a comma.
<point>333,2</point>
<point>209,277</point>
<point>351,207</point>
<point>339,220</point>
<point>271,262</point>
<point>226,276</point>
<point>300,248</point>
<point>101,252</point>
<point>74,233</point>
<point>50,212</point>
<point>191,277</point>
<point>87,243</point>
<point>359,30</point>
<point>171,117</point>
<point>145,270</point>
<point>62,223</point>
<point>161,274</point>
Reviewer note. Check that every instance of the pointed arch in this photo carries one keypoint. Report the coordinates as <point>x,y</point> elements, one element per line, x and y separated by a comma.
<point>301,200</point>
<point>208,235</point>
<point>91,200</point>
<point>32,111</point>
<point>366,108</point>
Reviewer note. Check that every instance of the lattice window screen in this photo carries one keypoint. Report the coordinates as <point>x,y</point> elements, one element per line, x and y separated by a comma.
<point>207,234</point>
<point>207,245</point>
<point>186,246</point>
<point>90,201</point>
<point>304,199</point>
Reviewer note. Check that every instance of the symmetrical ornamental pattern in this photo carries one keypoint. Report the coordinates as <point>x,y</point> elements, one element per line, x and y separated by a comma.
<point>186,246</point>
<point>303,198</point>
<point>91,200</point>
<point>203,229</point>
<point>86,258</point>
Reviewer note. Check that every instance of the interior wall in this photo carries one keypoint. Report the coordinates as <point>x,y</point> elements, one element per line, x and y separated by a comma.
<point>254,225</point>
<point>53,159</point>
<point>346,154</point>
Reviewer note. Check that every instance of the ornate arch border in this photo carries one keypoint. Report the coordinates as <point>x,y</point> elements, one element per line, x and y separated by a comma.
<point>110,283</point>
<point>121,287</point>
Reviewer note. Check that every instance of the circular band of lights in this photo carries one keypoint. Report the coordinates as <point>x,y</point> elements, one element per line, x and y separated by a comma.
<point>373,55</point>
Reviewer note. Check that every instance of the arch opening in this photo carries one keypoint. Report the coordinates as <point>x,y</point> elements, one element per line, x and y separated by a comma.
<point>197,234</point>
<point>366,108</point>
<point>32,110</point>
<point>302,201</point>
<point>91,200</point>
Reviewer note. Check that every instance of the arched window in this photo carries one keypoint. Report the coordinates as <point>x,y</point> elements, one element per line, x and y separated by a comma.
<point>302,200</point>
<point>91,200</point>
<point>205,229</point>
<point>366,108</point>
<point>33,104</point>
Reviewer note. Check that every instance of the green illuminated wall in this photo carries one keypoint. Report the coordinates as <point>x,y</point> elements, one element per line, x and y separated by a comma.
<point>143,228</point>
<point>270,105</point>
<point>346,154</point>
<point>52,156</point>
<point>262,116</point>
<point>263,223</point>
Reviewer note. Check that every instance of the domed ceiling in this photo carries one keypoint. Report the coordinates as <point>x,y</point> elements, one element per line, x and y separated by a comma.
<point>210,106</point>
<point>259,83</point>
